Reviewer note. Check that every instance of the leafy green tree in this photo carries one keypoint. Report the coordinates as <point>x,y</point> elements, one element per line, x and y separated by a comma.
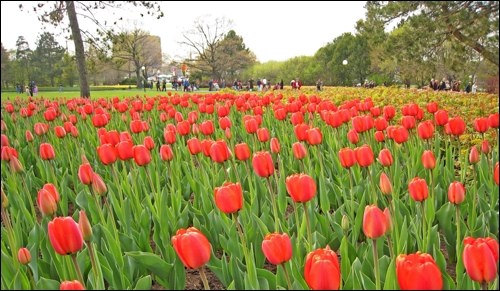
<point>47,54</point>
<point>472,24</point>
<point>6,77</point>
<point>23,59</point>
<point>234,56</point>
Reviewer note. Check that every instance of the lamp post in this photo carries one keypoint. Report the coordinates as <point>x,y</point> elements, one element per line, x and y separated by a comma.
<point>344,62</point>
<point>143,68</point>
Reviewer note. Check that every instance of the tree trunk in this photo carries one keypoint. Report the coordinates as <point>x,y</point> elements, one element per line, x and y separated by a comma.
<point>79,51</point>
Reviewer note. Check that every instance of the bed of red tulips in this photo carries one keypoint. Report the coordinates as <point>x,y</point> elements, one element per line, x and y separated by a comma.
<point>343,189</point>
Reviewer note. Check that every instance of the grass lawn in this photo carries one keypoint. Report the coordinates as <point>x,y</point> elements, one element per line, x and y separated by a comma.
<point>96,93</point>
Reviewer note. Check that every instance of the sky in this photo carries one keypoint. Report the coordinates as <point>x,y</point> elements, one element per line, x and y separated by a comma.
<point>272,30</point>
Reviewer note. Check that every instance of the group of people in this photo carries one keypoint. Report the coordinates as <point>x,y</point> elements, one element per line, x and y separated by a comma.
<point>449,85</point>
<point>31,89</point>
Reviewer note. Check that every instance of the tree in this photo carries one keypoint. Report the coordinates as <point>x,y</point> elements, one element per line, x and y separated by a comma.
<point>23,58</point>
<point>45,57</point>
<point>132,50</point>
<point>206,38</point>
<point>55,15</point>
<point>6,78</point>
<point>472,24</point>
<point>234,56</point>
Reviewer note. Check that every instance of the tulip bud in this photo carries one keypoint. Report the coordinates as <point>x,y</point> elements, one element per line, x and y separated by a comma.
<point>15,165</point>
<point>473,155</point>
<point>98,185</point>
<point>85,226</point>
<point>24,256</point>
<point>345,222</point>
<point>385,184</point>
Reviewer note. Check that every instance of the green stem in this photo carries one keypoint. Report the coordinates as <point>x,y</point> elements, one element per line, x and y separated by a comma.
<point>352,203</point>
<point>375,264</point>
<point>287,276</point>
<point>28,193</point>
<point>150,181</point>
<point>95,268</point>
<point>457,213</point>
<point>273,202</point>
<point>236,171</point>
<point>10,235</point>
<point>424,241</point>
<point>204,278</point>
<point>308,225</point>
<point>30,277</point>
<point>77,268</point>
<point>374,187</point>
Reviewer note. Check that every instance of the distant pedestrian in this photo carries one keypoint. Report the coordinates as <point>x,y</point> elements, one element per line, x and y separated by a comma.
<point>474,88</point>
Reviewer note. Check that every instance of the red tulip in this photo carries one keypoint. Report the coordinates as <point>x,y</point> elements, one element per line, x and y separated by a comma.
<point>41,128</point>
<point>47,151</point>
<point>347,157</point>
<point>374,222</point>
<point>107,154</point>
<point>65,235</point>
<point>242,151</point>
<point>301,187</point>
<point>314,136</point>
<point>321,270</point>
<point>142,156</point>
<point>24,256</point>
<point>275,145</point>
<point>456,192</point>
<point>480,257</point>
<point>441,117</point>
<point>263,134</point>
<point>229,197</point>
<point>219,152</point>
<point>481,125</point>
<point>194,146</point>
<point>485,147</point>
<point>192,247</point>
<point>428,160</point>
<point>169,136</point>
<point>206,144</point>
<point>385,184</point>
<point>418,189</point>
<point>263,164</point>
<point>408,122</point>
<point>136,126</point>
<point>385,157</point>
<point>85,173</point>
<point>493,120</point>
<point>353,136</point>
<point>473,155</point>
<point>207,127</point>
<point>166,153</point>
<point>251,125</point>
<point>8,153</point>
<point>364,155</point>
<point>379,136</point>
<point>301,131</point>
<point>425,130</point>
<point>71,285</point>
<point>149,143</point>
<point>125,150</point>
<point>29,136</point>
<point>380,123</point>
<point>399,134</point>
<point>15,165</point>
<point>299,150</point>
<point>389,112</point>
<point>277,248</point>
<point>457,126</point>
<point>418,271</point>
<point>432,107</point>
<point>183,127</point>
<point>495,174</point>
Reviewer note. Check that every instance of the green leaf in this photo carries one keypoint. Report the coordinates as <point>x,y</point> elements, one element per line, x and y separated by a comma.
<point>144,283</point>
<point>151,262</point>
<point>47,284</point>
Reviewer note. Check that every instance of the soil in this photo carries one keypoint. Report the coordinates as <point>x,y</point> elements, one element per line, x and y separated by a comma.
<point>193,281</point>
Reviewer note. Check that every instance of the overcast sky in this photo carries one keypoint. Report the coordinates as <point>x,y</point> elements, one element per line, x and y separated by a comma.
<point>272,30</point>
